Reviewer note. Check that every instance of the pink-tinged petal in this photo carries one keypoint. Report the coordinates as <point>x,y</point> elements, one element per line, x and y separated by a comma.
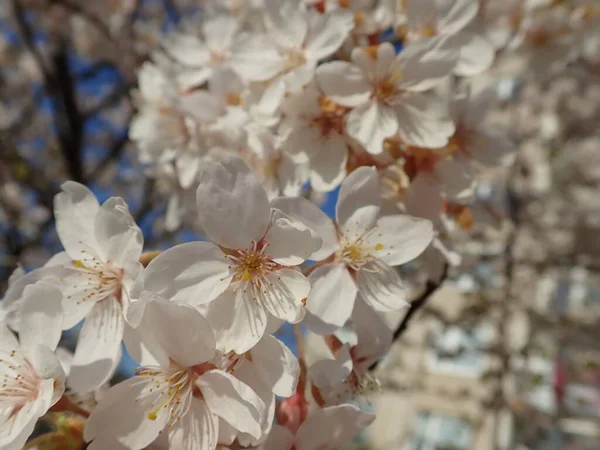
<point>327,32</point>
<point>277,365</point>
<point>119,238</point>
<point>194,273</point>
<point>332,427</point>
<point>374,336</point>
<point>75,209</point>
<point>476,54</point>
<point>233,206</point>
<point>189,342</point>
<point>98,347</point>
<point>331,298</point>
<point>381,287</point>
<point>49,368</point>
<point>424,64</point>
<point>290,241</point>
<point>280,438</point>
<point>233,401</point>
<point>309,214</point>
<point>238,320</point>
<point>371,123</point>
<point>16,429</point>
<point>284,293</point>
<point>8,341</point>
<point>344,83</point>
<point>358,202</point>
<point>328,163</point>
<point>196,430</point>
<point>422,122</point>
<point>41,317</point>
<point>122,415</point>
<point>400,238</point>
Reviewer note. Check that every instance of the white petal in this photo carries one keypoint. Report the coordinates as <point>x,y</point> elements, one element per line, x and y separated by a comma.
<point>425,64</point>
<point>278,366</point>
<point>359,201</point>
<point>98,347</point>
<point>197,430</point>
<point>41,317</point>
<point>290,241</point>
<point>285,291</point>
<point>180,330</point>
<point>119,238</point>
<point>219,31</point>
<point>331,298</point>
<point>232,400</point>
<point>328,163</point>
<point>476,54</point>
<point>327,32</point>
<point>399,239</point>
<point>233,206</point>
<point>286,22</point>
<point>187,49</point>
<point>75,209</point>
<point>458,15</point>
<point>381,287</point>
<point>421,123</point>
<point>329,373</point>
<point>237,320</point>
<point>374,336</point>
<point>76,299</point>
<point>8,341</point>
<point>370,124</point>
<point>255,58</point>
<point>344,83</point>
<point>332,427</point>
<point>122,415</point>
<point>188,273</point>
<point>143,348</point>
<point>309,214</point>
<point>375,66</point>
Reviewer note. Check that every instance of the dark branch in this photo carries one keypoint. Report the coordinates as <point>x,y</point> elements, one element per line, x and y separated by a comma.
<point>415,306</point>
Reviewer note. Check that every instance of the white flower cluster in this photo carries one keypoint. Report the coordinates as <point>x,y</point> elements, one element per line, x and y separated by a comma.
<point>236,116</point>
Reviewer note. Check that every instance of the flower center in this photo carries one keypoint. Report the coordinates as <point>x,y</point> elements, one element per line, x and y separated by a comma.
<point>386,89</point>
<point>295,58</point>
<point>99,278</point>
<point>331,119</point>
<point>173,389</point>
<point>252,265</point>
<point>355,254</point>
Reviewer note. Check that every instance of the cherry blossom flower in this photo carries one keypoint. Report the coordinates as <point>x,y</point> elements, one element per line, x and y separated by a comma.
<point>361,250</point>
<point>314,131</point>
<point>324,429</point>
<point>250,274</point>
<point>385,91</point>
<point>32,379</point>
<point>426,19</point>
<point>98,268</point>
<point>182,393</point>
<point>303,37</point>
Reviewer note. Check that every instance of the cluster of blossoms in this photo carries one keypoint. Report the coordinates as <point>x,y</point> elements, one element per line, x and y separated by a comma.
<point>247,119</point>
